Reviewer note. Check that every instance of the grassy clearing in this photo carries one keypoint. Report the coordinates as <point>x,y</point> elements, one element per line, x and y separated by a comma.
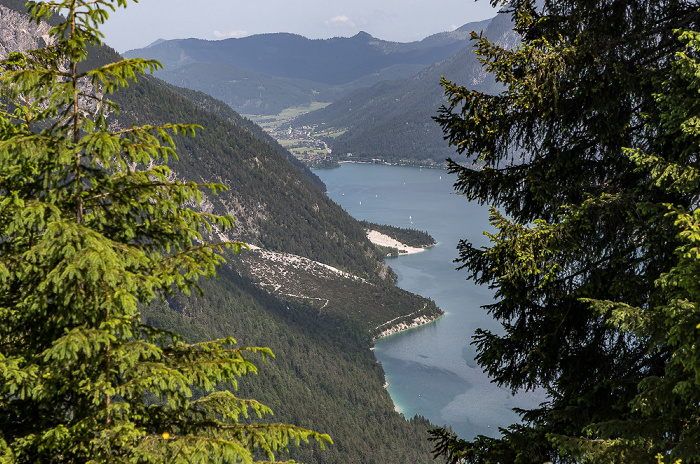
<point>273,121</point>
<point>329,133</point>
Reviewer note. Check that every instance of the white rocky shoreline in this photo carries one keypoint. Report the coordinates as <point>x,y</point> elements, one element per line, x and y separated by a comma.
<point>402,326</point>
<point>381,239</point>
<point>275,267</point>
<point>384,240</point>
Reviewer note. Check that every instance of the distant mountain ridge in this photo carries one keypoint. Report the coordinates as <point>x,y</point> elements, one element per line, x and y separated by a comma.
<point>392,121</point>
<point>334,61</point>
<point>383,94</point>
<point>266,73</point>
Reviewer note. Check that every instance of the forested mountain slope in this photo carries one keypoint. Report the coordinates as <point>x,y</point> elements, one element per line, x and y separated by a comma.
<point>324,376</point>
<point>392,120</point>
<point>219,108</point>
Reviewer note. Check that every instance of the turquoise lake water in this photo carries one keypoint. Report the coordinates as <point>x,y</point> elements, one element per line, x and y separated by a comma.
<point>431,369</point>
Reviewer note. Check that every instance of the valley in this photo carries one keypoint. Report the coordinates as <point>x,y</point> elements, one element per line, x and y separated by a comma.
<point>308,143</point>
<point>313,288</point>
<point>431,368</point>
<point>563,156</point>
<point>375,104</point>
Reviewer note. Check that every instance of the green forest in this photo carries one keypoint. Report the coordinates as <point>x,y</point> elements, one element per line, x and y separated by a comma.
<point>392,121</point>
<point>589,157</point>
<point>144,230</point>
<point>264,74</point>
<point>131,289</point>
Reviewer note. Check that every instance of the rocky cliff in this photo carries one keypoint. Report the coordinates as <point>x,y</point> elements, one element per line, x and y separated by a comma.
<point>17,33</point>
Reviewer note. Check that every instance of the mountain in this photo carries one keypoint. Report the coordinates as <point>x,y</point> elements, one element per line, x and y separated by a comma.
<point>384,94</point>
<point>392,121</point>
<point>266,73</point>
<point>312,287</point>
<point>221,109</point>
<point>330,61</point>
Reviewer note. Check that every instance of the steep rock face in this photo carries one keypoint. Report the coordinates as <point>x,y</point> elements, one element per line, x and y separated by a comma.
<point>17,33</point>
<point>275,207</point>
<point>501,32</point>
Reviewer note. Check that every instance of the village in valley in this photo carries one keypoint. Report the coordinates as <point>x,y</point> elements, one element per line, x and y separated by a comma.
<point>306,143</point>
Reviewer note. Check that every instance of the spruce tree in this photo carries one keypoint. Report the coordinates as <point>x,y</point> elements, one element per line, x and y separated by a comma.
<point>92,227</point>
<point>589,154</point>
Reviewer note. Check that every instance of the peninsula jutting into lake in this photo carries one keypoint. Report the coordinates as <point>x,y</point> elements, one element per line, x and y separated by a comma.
<point>431,369</point>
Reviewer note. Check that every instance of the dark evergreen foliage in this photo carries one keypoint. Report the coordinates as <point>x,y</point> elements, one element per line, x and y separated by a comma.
<point>323,373</point>
<point>218,108</point>
<point>283,212</point>
<point>585,241</point>
<point>261,183</point>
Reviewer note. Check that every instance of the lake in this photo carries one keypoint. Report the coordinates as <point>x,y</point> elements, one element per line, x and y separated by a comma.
<point>431,369</point>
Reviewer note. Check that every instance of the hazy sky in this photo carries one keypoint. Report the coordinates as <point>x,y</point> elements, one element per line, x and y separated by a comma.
<point>397,20</point>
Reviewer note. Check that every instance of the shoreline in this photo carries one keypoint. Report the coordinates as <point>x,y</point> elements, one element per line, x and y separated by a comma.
<point>384,240</point>
<point>386,163</point>
<point>419,321</point>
